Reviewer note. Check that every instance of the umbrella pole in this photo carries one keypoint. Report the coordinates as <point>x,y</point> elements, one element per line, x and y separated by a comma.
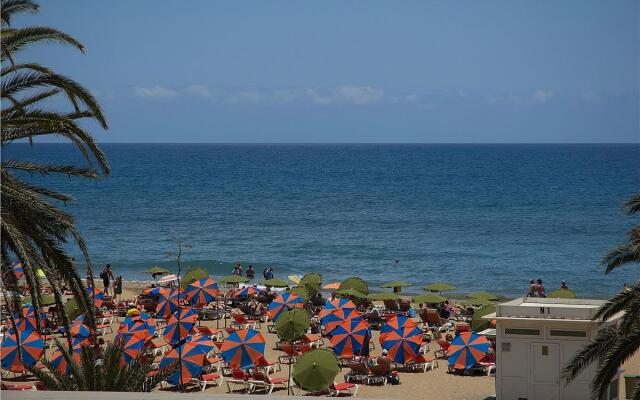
<point>289,382</point>
<point>217,314</point>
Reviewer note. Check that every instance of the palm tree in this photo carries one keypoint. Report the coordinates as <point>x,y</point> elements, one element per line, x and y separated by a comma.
<point>615,344</point>
<point>106,373</point>
<point>33,227</point>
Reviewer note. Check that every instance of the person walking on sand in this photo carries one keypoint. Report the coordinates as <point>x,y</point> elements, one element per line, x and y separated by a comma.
<point>107,277</point>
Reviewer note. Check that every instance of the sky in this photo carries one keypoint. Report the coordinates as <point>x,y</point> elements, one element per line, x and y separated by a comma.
<point>354,71</point>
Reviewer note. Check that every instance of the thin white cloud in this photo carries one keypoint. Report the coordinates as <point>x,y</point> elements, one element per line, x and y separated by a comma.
<point>357,95</point>
<point>536,97</point>
<point>155,92</point>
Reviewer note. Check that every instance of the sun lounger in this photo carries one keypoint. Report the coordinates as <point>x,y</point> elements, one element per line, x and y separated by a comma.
<point>8,386</point>
<point>260,380</point>
<point>422,363</point>
<point>431,318</point>
<point>244,322</point>
<point>210,379</point>
<point>215,335</point>
<point>336,389</point>
<point>442,351</point>
<point>487,364</point>
<point>238,378</point>
<point>213,364</point>
<point>359,372</point>
<point>268,367</point>
<point>462,327</point>
<point>378,374</point>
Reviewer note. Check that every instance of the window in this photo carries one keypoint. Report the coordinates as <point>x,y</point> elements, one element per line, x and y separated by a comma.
<point>522,331</point>
<point>506,346</point>
<point>545,350</point>
<point>568,333</point>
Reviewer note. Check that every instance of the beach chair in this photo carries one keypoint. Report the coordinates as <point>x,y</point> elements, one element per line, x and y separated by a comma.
<point>8,386</point>
<point>378,374</point>
<point>487,365</point>
<point>431,319</point>
<point>422,363</point>
<point>391,305</point>
<point>215,335</point>
<point>210,379</point>
<point>290,356</point>
<point>261,380</point>
<point>336,389</point>
<point>243,322</point>
<point>313,339</point>
<point>268,367</point>
<point>213,364</point>
<point>238,378</point>
<point>359,372</point>
<point>462,327</point>
<point>442,351</point>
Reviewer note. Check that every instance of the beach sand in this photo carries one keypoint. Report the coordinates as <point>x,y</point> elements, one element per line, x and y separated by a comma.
<point>434,384</point>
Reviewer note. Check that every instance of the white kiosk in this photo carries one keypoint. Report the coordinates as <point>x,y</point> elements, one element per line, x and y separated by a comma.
<point>535,339</point>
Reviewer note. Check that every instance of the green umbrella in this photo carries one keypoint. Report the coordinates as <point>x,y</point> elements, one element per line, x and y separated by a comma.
<point>72,309</point>
<point>395,284</point>
<point>429,298</point>
<point>45,300</point>
<point>355,283</point>
<point>292,324</point>
<point>192,275</point>
<point>312,282</point>
<point>383,296</point>
<point>478,301</point>
<point>439,287</point>
<point>156,271</point>
<point>352,292</point>
<point>234,279</point>
<point>300,291</point>
<point>483,295</point>
<point>562,294</point>
<point>315,371</point>
<point>275,282</point>
<point>477,323</point>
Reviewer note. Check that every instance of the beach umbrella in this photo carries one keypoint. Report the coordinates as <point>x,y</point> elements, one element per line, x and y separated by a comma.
<point>332,286</point>
<point>396,285</point>
<point>143,325</point>
<point>477,323</point>
<point>483,295</point>
<point>295,278</point>
<point>204,342</point>
<point>156,291</point>
<point>43,300</point>
<point>334,305</point>
<point>350,337</point>
<point>26,319</point>
<point>191,358</point>
<point>202,292</point>
<point>72,308</point>
<point>315,371</point>
<point>383,296</point>
<point>355,283</point>
<point>402,344</point>
<point>132,346</point>
<point>243,348</point>
<point>300,291</point>
<point>60,363</point>
<point>31,347</point>
<point>234,279</point>
<point>562,294</point>
<point>292,325</point>
<point>312,282</point>
<point>96,295</point>
<point>180,325</point>
<point>78,328</point>
<point>467,349</point>
<point>18,270</point>
<point>168,279</point>
<point>336,317</point>
<point>155,271</point>
<point>352,293</point>
<point>170,303</point>
<point>275,282</point>
<point>283,302</point>
<point>193,275</point>
<point>477,301</point>
<point>439,287</point>
<point>429,298</point>
<point>396,322</point>
<point>246,292</point>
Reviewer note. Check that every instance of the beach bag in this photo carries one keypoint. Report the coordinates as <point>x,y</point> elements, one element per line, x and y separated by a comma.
<point>103,275</point>
<point>394,378</point>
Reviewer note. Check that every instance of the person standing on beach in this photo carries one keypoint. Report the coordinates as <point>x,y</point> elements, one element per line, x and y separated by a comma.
<point>250,272</point>
<point>540,286</point>
<point>107,277</point>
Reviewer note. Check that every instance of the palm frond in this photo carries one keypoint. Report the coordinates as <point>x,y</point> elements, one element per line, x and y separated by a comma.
<point>591,352</point>
<point>633,205</point>
<point>8,8</point>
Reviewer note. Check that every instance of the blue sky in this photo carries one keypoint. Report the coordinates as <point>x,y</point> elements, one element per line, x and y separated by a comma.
<point>355,71</point>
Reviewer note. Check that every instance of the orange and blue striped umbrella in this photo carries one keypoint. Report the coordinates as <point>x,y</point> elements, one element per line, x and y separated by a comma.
<point>402,344</point>
<point>96,295</point>
<point>334,305</point>
<point>243,348</point>
<point>192,358</point>
<point>26,318</point>
<point>157,291</point>
<point>169,303</point>
<point>206,344</point>
<point>18,270</point>
<point>31,347</point>
<point>283,302</point>
<point>395,322</point>
<point>351,338</point>
<point>467,349</point>
<point>246,292</point>
<point>60,363</point>
<point>132,346</point>
<point>202,292</point>
<point>338,316</point>
<point>180,325</point>
<point>142,325</point>
<point>78,328</point>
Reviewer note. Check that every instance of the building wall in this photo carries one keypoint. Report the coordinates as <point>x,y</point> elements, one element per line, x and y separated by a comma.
<point>530,365</point>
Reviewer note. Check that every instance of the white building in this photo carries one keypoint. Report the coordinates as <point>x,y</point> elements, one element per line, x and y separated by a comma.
<point>535,339</point>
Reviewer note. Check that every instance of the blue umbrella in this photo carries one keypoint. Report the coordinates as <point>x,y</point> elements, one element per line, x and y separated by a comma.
<point>243,348</point>
<point>467,349</point>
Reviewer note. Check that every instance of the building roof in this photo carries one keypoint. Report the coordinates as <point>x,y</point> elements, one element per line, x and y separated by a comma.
<point>535,308</point>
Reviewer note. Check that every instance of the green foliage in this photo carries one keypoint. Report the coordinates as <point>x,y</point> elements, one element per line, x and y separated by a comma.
<point>34,228</point>
<point>106,373</point>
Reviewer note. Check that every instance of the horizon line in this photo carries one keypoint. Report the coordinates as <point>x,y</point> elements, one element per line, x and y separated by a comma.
<point>350,143</point>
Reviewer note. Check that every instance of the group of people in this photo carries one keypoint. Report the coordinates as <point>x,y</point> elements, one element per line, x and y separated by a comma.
<point>536,288</point>
<point>107,278</point>
<point>251,272</point>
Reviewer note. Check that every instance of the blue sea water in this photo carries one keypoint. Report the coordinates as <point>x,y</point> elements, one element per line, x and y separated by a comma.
<point>483,217</point>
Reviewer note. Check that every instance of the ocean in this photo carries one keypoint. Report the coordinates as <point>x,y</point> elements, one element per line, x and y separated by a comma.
<point>482,217</point>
